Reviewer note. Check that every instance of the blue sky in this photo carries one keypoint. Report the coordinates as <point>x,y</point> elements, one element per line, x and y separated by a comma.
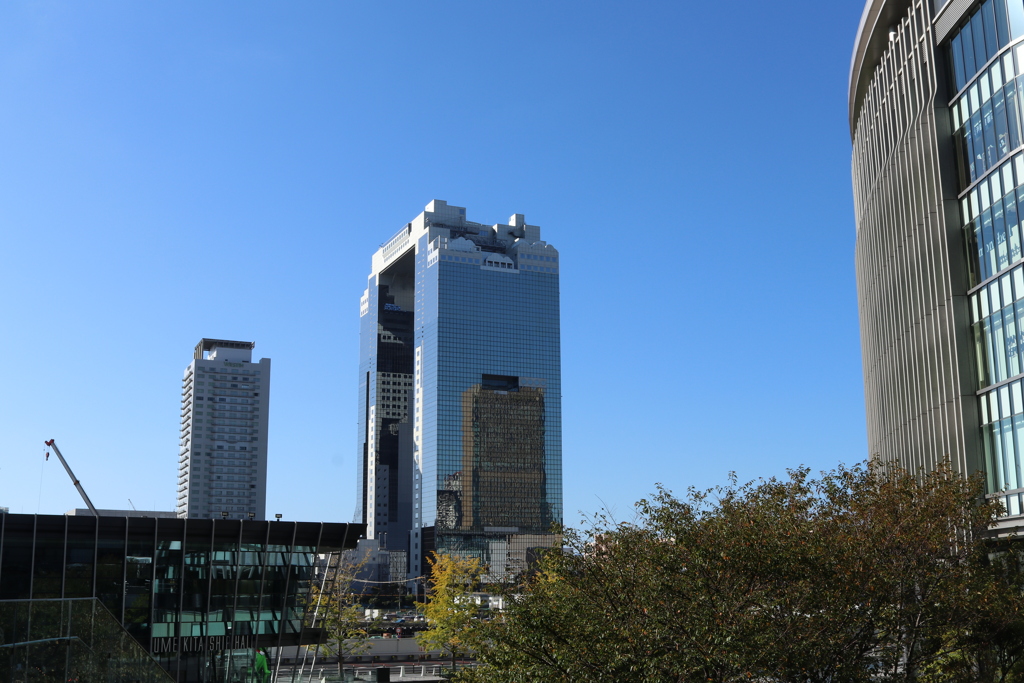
<point>173,171</point>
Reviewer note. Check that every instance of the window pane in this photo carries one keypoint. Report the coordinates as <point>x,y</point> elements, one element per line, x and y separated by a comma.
<point>1012,352</point>
<point>979,252</point>
<point>1012,229</point>
<point>991,264</point>
<point>988,123</point>
<point>991,36</point>
<point>1009,454</point>
<point>990,459</point>
<point>968,150</point>
<point>999,228</point>
<point>1019,341</point>
<point>999,348</point>
<point>963,155</point>
<point>990,361</point>
<point>1015,469</point>
<point>978,32</point>
<point>978,147</point>
<point>1002,25</point>
<point>979,355</point>
<point>970,67</point>
<point>1016,18</point>
<point>958,63</point>
<point>999,115</point>
<point>1012,115</point>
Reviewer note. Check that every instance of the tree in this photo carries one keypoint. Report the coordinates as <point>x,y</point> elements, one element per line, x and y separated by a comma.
<point>450,610</point>
<point>335,606</point>
<point>995,649</point>
<point>864,574</point>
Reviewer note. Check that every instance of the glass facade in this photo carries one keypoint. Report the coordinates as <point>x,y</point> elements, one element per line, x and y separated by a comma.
<point>997,312</point>
<point>987,64</point>
<point>461,419</point>
<point>983,33</point>
<point>991,217</point>
<point>987,108</point>
<point>491,383</point>
<point>493,439</point>
<point>987,118</point>
<point>1002,418</point>
<point>199,594</point>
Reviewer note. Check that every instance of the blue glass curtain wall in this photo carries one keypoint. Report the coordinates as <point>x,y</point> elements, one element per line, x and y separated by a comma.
<point>987,70</point>
<point>997,315</point>
<point>987,118</point>
<point>483,320</point>
<point>1002,417</point>
<point>987,30</point>
<point>987,115</point>
<point>991,214</point>
<point>500,323</point>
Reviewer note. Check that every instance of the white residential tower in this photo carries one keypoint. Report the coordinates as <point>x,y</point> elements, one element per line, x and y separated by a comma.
<point>222,458</point>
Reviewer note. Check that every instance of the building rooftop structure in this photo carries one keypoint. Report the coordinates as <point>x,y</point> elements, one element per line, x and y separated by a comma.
<point>206,345</point>
<point>86,512</point>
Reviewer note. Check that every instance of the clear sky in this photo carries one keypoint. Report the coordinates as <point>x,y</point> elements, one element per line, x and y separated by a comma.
<point>177,170</point>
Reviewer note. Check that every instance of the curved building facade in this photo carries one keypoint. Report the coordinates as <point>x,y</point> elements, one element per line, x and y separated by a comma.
<point>937,122</point>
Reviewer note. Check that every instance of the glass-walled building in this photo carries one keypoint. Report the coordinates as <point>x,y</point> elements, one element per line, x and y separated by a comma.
<point>937,120</point>
<point>200,595</point>
<point>460,391</point>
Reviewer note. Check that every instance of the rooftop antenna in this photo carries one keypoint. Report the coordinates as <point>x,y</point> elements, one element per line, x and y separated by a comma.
<point>132,504</point>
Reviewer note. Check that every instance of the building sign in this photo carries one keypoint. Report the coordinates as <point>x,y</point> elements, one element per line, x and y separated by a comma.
<point>202,643</point>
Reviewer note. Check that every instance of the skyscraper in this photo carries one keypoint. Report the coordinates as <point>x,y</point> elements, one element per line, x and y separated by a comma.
<point>936,93</point>
<point>222,455</point>
<point>459,439</point>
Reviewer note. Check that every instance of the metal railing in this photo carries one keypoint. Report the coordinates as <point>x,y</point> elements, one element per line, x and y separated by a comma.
<point>70,639</point>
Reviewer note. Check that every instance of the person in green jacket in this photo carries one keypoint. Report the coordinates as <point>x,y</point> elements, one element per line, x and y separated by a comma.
<point>262,667</point>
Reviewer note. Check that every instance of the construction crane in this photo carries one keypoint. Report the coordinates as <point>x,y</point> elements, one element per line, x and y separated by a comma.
<point>78,485</point>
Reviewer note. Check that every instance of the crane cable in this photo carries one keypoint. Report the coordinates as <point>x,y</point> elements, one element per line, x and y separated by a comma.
<point>39,501</point>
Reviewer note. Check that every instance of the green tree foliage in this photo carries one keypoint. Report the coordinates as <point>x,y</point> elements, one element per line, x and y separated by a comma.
<point>864,574</point>
<point>450,611</point>
<point>335,606</point>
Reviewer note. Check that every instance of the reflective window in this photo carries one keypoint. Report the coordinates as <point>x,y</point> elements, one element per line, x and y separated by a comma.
<point>492,393</point>
<point>1002,417</point>
<point>987,117</point>
<point>991,215</point>
<point>997,314</point>
<point>992,26</point>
